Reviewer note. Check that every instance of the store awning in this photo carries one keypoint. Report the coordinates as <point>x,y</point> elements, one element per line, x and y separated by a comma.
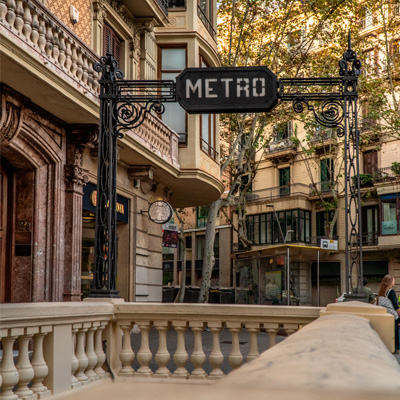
<point>295,249</point>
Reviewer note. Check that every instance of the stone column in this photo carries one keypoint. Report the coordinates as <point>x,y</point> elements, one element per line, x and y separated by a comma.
<point>75,179</point>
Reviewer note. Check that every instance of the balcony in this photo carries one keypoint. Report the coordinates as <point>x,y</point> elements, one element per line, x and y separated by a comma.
<point>47,63</point>
<point>206,22</point>
<point>157,9</point>
<point>281,150</point>
<point>276,192</point>
<point>387,174</point>
<point>56,348</point>
<point>323,138</point>
<point>322,189</point>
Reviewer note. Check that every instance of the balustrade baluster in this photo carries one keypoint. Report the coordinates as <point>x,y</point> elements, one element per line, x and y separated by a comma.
<point>272,330</point>
<point>290,328</point>
<point>79,70</point>
<point>19,20</point>
<point>216,357</point>
<point>91,355</point>
<point>10,16</point>
<point>56,45</point>
<point>85,68</point>
<point>27,29</point>
<point>3,9</point>
<point>80,354</point>
<point>74,360</point>
<point>235,358</point>
<point>39,365</point>
<point>24,366</point>
<point>253,329</point>
<point>90,72</point>
<point>181,356</point>
<point>127,355</point>
<point>62,48</point>
<point>8,371</point>
<point>35,28</point>
<point>74,59</point>
<point>144,355</point>
<point>95,81</point>
<point>198,357</point>
<point>49,39</point>
<point>42,31</point>
<point>98,349</point>
<point>162,355</point>
<point>68,55</point>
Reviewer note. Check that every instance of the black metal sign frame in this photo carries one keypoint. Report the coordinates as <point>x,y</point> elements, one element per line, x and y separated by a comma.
<point>125,103</point>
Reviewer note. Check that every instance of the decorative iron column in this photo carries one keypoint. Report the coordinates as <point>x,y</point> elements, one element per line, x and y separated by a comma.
<point>123,105</point>
<point>350,70</point>
<point>336,107</point>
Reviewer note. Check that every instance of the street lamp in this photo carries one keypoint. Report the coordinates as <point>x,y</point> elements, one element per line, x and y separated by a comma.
<point>287,269</point>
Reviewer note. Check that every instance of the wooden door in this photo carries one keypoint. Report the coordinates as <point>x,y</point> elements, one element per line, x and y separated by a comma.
<point>370,162</point>
<point>3,231</point>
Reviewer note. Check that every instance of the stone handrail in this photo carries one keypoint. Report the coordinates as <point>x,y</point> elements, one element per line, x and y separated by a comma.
<point>30,24</point>
<point>66,339</point>
<point>197,318</point>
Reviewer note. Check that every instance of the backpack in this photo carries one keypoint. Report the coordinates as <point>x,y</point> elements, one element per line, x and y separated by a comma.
<point>384,301</point>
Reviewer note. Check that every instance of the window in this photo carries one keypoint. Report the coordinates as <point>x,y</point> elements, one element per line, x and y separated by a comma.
<point>205,13</point>
<point>271,228</point>
<point>283,131</point>
<point>173,61</point>
<point>370,225</point>
<point>201,217</point>
<point>370,159</point>
<point>370,66</point>
<point>326,174</point>
<point>111,43</point>
<point>176,4</point>
<point>284,181</point>
<point>208,129</point>
<point>323,220</point>
<point>368,20</point>
<point>390,214</point>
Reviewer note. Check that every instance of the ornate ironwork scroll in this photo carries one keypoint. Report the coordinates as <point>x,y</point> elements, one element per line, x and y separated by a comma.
<point>123,105</point>
<point>333,102</point>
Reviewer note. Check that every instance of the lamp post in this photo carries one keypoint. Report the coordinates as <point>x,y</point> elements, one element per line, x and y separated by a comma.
<point>287,269</point>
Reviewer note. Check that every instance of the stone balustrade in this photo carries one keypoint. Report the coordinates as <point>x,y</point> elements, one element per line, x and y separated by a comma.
<point>51,347</point>
<point>29,24</point>
<point>196,318</point>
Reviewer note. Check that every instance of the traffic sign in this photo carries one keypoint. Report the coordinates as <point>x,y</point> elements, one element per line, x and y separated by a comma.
<point>227,90</point>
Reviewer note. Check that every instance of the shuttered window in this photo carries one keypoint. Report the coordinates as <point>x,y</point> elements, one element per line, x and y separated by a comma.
<point>111,43</point>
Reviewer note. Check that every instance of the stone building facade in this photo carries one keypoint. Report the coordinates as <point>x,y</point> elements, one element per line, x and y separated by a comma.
<point>48,138</point>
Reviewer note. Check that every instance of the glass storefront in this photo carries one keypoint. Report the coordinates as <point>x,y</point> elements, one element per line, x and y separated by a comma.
<point>88,232</point>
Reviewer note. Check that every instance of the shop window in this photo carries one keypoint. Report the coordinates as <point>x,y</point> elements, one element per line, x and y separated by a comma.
<point>390,214</point>
<point>173,61</point>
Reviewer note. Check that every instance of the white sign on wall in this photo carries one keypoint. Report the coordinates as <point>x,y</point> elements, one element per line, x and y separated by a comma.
<point>329,244</point>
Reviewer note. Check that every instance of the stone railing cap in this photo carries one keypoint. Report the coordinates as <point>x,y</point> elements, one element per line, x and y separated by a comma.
<point>356,307</point>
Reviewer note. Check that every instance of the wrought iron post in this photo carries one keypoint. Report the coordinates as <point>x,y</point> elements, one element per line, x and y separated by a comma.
<point>350,70</point>
<point>123,106</point>
<point>337,108</point>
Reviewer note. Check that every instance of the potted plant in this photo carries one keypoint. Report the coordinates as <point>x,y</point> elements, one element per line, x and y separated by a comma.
<point>395,168</point>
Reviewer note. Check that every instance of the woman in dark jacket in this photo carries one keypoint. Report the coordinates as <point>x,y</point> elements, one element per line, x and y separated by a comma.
<point>386,289</point>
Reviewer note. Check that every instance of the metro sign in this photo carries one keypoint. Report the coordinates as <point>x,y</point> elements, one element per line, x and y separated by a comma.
<point>227,90</point>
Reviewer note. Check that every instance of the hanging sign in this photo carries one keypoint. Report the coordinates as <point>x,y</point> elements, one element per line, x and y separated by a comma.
<point>227,89</point>
<point>160,212</point>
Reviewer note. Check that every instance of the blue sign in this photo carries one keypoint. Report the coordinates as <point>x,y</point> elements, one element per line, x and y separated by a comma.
<point>90,201</point>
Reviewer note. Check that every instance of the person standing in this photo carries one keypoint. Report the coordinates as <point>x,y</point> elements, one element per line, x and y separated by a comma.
<point>386,292</point>
<point>368,291</point>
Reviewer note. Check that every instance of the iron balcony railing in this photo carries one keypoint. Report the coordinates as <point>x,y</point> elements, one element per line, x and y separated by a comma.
<point>163,5</point>
<point>370,239</point>
<point>206,147</point>
<point>281,145</point>
<point>323,187</point>
<point>385,174</point>
<point>206,22</point>
<point>294,189</point>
